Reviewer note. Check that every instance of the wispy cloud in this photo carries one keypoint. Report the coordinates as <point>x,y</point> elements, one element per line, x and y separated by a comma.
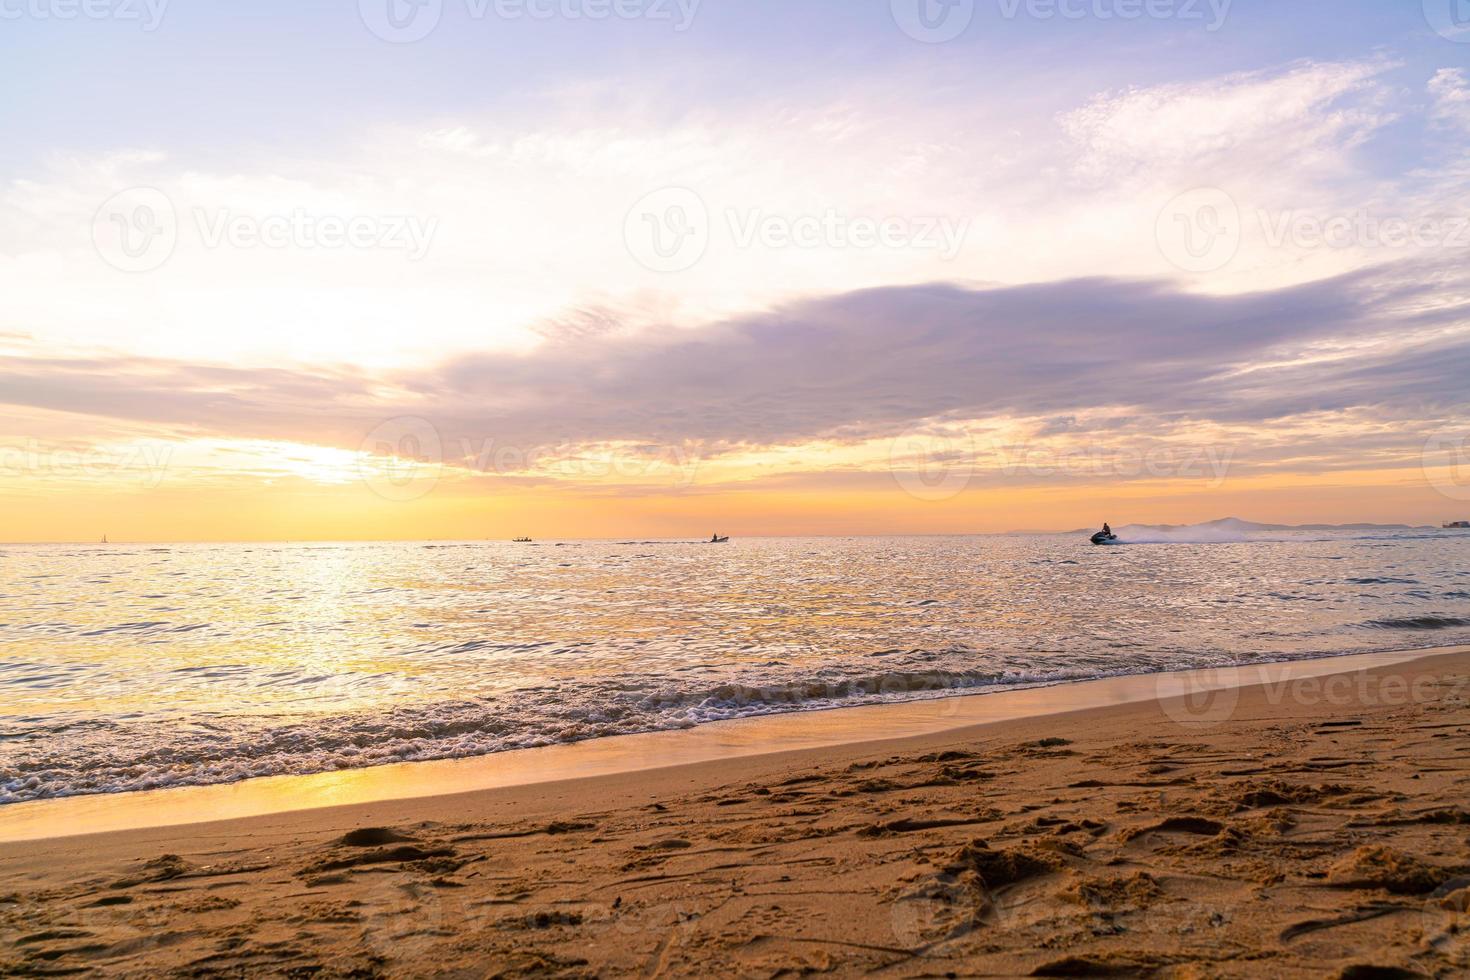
<point>1450,90</point>
<point>1250,126</point>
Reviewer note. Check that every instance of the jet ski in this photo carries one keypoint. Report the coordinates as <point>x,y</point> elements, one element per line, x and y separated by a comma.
<point>1103,537</point>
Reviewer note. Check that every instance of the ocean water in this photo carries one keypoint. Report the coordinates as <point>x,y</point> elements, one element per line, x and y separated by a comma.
<point>136,667</point>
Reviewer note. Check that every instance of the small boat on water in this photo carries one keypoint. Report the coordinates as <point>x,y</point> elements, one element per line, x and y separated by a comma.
<point>1458,525</point>
<point>520,540</point>
<point>1104,537</point>
<point>717,539</point>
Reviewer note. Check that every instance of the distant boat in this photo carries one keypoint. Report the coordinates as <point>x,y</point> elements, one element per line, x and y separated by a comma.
<point>719,540</point>
<point>520,540</point>
<point>104,539</point>
<point>1459,525</point>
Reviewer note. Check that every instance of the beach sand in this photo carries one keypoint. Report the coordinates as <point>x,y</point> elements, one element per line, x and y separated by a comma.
<point>1315,828</point>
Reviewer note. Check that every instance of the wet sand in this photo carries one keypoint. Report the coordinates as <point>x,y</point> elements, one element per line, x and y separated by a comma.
<point>1316,827</point>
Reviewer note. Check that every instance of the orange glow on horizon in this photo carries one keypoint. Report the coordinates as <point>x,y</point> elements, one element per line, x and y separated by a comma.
<point>297,509</point>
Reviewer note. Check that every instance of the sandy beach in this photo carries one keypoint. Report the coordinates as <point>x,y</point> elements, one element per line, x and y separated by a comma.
<point>662,489</point>
<point>1311,828</point>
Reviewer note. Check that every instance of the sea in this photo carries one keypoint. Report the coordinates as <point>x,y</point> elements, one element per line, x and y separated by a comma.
<point>137,667</point>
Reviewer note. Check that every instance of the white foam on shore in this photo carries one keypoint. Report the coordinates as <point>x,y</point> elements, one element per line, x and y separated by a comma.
<point>730,739</point>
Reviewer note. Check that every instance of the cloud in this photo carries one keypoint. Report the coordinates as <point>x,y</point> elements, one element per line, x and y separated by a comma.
<point>1373,359</point>
<point>1300,121</point>
<point>529,210</point>
<point>1450,90</point>
<point>530,322</point>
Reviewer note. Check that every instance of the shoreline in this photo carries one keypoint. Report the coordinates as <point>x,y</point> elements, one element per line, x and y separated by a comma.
<point>1308,827</point>
<point>776,734</point>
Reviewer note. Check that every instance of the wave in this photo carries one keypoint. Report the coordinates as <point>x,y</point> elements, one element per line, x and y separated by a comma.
<point>1418,623</point>
<point>45,764</point>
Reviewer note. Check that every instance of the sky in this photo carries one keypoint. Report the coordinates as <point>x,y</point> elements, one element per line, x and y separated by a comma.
<point>395,269</point>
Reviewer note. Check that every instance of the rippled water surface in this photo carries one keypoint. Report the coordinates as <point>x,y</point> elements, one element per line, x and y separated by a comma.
<point>127,668</point>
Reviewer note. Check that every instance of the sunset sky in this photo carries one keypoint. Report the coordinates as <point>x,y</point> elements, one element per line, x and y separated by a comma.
<point>478,268</point>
